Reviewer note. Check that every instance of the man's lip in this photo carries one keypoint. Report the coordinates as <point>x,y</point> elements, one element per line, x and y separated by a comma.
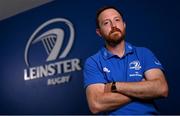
<point>114,32</point>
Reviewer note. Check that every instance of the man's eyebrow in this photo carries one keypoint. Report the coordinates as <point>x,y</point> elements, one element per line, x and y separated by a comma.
<point>117,17</point>
<point>109,19</point>
<point>105,20</point>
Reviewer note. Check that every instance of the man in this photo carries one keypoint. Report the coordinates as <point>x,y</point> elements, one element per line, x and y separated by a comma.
<point>122,78</point>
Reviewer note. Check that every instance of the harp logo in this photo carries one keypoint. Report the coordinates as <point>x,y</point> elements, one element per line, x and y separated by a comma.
<point>52,41</point>
<point>135,65</point>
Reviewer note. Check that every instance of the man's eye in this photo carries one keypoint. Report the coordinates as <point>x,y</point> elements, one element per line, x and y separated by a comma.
<point>105,23</point>
<point>117,20</point>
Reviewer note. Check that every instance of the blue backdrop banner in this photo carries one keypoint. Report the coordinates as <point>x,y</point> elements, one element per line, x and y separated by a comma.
<point>43,51</point>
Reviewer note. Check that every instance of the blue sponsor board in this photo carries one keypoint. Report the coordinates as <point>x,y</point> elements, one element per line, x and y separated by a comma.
<point>43,51</point>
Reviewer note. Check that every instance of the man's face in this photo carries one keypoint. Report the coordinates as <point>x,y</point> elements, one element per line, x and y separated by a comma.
<point>112,27</point>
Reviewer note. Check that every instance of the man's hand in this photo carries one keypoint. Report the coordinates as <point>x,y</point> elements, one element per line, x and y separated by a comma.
<point>152,86</point>
<point>108,86</point>
<point>100,98</point>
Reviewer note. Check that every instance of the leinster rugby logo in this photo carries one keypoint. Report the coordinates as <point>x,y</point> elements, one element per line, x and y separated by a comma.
<point>52,40</point>
<point>135,65</point>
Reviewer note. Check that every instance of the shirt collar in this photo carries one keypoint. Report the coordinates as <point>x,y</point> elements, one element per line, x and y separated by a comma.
<point>128,48</point>
<point>107,54</point>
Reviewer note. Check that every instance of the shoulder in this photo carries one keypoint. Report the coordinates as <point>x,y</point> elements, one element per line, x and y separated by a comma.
<point>137,48</point>
<point>94,58</point>
<point>143,50</point>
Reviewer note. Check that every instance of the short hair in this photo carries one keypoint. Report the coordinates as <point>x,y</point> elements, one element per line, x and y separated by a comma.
<point>103,9</point>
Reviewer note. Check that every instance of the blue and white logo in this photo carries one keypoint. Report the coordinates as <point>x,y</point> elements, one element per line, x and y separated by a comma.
<point>130,47</point>
<point>105,69</point>
<point>135,65</point>
<point>157,62</point>
<point>52,40</point>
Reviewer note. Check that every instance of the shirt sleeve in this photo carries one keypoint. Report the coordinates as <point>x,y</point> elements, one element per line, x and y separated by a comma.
<point>92,73</point>
<point>150,60</point>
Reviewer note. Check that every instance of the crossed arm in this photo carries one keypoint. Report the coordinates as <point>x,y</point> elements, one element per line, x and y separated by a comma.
<point>100,98</point>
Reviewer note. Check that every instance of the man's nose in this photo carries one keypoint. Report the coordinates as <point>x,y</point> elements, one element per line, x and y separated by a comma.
<point>112,24</point>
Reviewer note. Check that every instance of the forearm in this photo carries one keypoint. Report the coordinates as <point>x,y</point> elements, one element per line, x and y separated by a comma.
<point>107,101</point>
<point>110,101</point>
<point>143,90</point>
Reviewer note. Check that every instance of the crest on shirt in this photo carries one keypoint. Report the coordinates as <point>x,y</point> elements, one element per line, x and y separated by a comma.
<point>135,65</point>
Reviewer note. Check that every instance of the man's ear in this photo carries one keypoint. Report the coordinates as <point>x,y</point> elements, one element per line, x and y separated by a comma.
<point>124,24</point>
<point>98,32</point>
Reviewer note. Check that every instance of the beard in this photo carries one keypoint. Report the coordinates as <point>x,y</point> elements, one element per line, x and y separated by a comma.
<point>115,37</point>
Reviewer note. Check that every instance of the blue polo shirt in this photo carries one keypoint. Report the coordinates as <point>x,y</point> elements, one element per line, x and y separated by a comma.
<point>105,67</point>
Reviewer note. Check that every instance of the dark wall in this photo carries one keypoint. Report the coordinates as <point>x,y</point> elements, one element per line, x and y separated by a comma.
<point>150,23</point>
